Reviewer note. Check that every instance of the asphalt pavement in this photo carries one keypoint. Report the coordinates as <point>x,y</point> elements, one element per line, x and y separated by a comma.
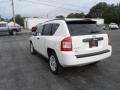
<point>19,70</point>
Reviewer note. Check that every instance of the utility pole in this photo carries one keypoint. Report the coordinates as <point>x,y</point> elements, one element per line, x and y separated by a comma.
<point>0,18</point>
<point>47,15</point>
<point>13,10</point>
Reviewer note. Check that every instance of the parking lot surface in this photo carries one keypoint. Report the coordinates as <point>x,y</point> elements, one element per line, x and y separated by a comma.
<point>19,70</point>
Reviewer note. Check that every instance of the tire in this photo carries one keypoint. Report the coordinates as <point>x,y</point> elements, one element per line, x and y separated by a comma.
<point>13,32</point>
<point>54,64</point>
<point>10,33</point>
<point>32,50</point>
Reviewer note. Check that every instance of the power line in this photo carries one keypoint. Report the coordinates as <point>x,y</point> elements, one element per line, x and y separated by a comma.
<point>68,4</point>
<point>48,4</point>
<point>53,1</point>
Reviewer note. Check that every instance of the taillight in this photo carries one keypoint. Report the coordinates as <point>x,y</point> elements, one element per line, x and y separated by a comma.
<point>66,44</point>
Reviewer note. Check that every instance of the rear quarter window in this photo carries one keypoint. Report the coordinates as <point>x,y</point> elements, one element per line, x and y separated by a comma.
<point>47,29</point>
<point>54,28</point>
<point>84,28</point>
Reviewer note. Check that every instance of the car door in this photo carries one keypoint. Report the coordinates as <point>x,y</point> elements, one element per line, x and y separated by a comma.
<point>36,36</point>
<point>41,43</point>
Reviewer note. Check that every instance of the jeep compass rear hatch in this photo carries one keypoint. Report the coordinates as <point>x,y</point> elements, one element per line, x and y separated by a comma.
<point>88,39</point>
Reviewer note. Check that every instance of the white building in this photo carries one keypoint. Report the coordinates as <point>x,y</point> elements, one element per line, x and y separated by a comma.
<point>30,22</point>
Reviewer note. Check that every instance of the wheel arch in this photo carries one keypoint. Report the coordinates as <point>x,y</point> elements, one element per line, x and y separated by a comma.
<point>50,50</point>
<point>59,67</point>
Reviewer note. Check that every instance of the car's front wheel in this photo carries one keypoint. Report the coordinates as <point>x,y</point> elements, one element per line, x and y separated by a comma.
<point>14,32</point>
<point>32,50</point>
<point>55,67</point>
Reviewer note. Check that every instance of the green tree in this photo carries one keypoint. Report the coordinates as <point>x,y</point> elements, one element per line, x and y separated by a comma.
<point>1,18</point>
<point>76,15</point>
<point>111,13</point>
<point>19,20</point>
<point>60,16</point>
<point>98,10</point>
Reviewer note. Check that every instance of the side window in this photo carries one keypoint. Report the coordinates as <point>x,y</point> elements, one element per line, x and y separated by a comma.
<point>2,25</point>
<point>54,28</point>
<point>47,29</point>
<point>40,28</point>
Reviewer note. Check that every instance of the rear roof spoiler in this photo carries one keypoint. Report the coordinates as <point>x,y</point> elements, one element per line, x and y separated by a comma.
<point>76,21</point>
<point>81,22</point>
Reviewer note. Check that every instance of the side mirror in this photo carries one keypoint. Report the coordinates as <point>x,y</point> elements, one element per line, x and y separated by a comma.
<point>34,29</point>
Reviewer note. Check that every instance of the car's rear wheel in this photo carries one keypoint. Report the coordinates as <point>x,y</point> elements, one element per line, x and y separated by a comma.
<point>55,67</point>
<point>32,50</point>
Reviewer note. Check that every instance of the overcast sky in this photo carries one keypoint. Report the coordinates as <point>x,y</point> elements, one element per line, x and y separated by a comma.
<point>50,8</point>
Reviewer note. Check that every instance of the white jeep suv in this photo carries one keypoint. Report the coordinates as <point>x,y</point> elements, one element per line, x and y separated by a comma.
<point>70,42</point>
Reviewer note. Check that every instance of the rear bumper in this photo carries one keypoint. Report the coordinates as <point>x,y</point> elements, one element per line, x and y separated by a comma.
<point>68,59</point>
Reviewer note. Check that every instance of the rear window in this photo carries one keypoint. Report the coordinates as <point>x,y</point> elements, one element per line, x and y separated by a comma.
<point>84,28</point>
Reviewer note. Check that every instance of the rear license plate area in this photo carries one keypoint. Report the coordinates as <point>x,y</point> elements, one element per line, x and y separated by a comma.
<point>93,43</point>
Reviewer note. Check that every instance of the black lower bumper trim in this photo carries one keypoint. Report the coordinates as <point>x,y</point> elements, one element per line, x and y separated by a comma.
<point>92,54</point>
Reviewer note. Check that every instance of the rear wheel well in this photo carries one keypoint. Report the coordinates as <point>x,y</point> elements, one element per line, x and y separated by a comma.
<point>49,50</point>
<point>59,68</point>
